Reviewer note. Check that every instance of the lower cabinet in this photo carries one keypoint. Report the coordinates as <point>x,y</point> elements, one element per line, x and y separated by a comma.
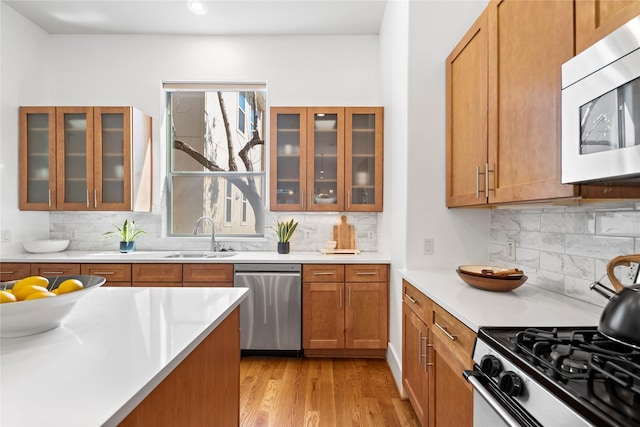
<point>116,274</point>
<point>204,275</point>
<point>345,310</point>
<point>436,348</point>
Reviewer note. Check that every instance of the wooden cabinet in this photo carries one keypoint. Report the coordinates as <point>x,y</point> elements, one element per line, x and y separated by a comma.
<point>203,275</point>
<point>85,158</point>
<point>156,275</point>
<point>436,348</point>
<point>116,274</point>
<point>345,317</point>
<point>54,269</point>
<point>326,158</point>
<point>14,271</point>
<point>595,19</point>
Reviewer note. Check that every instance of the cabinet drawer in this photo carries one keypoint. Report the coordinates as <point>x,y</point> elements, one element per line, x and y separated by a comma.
<point>418,302</point>
<point>157,273</point>
<point>323,273</point>
<point>54,269</point>
<point>111,272</point>
<point>453,333</point>
<point>14,271</point>
<point>366,273</point>
<point>205,273</point>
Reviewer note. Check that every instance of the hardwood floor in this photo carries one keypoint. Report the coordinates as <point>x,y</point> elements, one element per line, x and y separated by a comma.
<point>320,392</point>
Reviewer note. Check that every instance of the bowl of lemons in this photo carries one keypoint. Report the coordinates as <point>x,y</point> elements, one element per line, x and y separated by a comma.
<point>37,304</point>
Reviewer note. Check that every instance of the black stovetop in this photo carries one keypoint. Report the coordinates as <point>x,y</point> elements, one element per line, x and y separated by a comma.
<point>597,377</point>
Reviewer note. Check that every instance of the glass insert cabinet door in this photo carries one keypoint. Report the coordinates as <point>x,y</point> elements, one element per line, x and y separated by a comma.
<point>325,158</point>
<point>364,157</point>
<point>37,158</point>
<point>112,164</point>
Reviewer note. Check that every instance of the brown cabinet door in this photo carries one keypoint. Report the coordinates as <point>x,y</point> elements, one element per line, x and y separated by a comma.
<point>55,269</point>
<point>467,115</point>
<point>528,43</point>
<point>37,158</point>
<point>14,271</point>
<point>450,394</point>
<point>595,19</point>
<point>207,275</point>
<point>157,274</point>
<point>323,315</point>
<point>366,308</point>
<point>322,273</point>
<point>366,273</point>
<point>415,373</point>
<point>115,274</point>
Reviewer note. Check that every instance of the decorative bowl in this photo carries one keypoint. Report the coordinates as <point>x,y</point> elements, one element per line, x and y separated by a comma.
<point>488,283</point>
<point>45,246</point>
<point>325,124</point>
<point>22,318</point>
<point>330,244</point>
<point>324,198</point>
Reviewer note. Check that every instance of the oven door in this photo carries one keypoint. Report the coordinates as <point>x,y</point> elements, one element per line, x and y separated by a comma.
<point>492,407</point>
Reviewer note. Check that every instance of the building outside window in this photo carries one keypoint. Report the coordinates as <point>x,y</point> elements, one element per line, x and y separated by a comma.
<point>213,171</point>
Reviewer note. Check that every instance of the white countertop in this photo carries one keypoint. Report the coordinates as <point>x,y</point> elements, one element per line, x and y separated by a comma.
<point>114,347</point>
<point>527,305</point>
<point>161,256</point>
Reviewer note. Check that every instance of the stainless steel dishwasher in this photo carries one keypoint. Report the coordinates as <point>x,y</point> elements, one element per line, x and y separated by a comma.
<point>271,315</point>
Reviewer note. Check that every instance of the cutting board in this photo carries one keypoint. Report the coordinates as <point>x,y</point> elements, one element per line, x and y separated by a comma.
<point>345,235</point>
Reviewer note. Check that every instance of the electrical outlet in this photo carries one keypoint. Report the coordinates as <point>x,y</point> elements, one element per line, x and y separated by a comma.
<point>5,236</point>
<point>371,235</point>
<point>630,274</point>
<point>427,246</point>
<point>510,251</point>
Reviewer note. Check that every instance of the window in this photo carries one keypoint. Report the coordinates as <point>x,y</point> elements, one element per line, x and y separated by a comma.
<point>242,117</point>
<point>211,171</point>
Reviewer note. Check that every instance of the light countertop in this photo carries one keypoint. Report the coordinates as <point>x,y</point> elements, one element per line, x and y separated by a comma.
<point>110,352</point>
<point>527,305</point>
<point>161,256</point>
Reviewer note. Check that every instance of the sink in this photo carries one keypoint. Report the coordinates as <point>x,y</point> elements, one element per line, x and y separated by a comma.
<point>187,255</point>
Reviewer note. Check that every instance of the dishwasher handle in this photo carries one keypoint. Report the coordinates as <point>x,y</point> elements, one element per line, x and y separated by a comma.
<point>266,273</point>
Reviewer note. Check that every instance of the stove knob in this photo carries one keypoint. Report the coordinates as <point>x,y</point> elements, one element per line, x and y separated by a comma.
<point>510,383</point>
<point>490,365</point>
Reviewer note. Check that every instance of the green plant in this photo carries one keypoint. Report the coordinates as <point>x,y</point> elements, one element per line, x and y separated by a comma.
<point>128,232</point>
<point>285,230</point>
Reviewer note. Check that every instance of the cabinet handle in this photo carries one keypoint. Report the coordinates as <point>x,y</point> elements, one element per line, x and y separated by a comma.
<point>478,190</point>
<point>366,273</point>
<point>340,297</point>
<point>419,346</point>
<point>486,179</point>
<point>88,201</point>
<point>52,272</point>
<point>349,199</point>
<point>49,197</point>
<point>444,329</point>
<point>426,352</point>
<point>302,198</point>
<point>322,273</point>
<point>105,273</point>
<point>349,296</point>
<point>7,272</point>
<point>410,299</point>
<point>95,198</point>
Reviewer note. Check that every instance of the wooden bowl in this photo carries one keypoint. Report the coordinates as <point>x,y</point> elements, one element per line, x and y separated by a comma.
<point>491,283</point>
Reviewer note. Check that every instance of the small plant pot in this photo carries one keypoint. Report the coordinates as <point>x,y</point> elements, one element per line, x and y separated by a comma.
<point>127,246</point>
<point>283,247</point>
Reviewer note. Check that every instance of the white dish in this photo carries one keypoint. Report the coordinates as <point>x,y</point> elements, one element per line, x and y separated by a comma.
<point>45,246</point>
<point>325,124</point>
<point>77,123</point>
<point>22,318</point>
<point>325,199</point>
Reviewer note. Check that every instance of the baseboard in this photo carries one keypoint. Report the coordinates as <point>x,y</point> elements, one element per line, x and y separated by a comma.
<point>395,364</point>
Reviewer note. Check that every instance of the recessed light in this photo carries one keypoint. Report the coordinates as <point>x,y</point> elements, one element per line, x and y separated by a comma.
<point>197,7</point>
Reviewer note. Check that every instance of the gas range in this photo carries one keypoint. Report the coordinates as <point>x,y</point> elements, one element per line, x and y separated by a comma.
<point>557,376</point>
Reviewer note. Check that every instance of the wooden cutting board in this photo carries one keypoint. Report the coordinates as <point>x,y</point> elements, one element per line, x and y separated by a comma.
<point>344,234</point>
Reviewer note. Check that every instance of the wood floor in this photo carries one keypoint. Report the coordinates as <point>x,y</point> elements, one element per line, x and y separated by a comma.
<point>319,392</point>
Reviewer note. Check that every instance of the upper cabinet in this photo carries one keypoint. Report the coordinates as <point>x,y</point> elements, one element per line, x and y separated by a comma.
<point>85,158</point>
<point>596,18</point>
<point>503,107</point>
<point>326,159</point>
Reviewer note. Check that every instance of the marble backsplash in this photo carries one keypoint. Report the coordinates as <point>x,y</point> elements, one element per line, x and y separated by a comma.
<point>565,249</point>
<point>85,230</point>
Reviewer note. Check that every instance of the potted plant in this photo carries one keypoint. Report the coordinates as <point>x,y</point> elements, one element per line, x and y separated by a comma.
<point>128,233</point>
<point>285,230</point>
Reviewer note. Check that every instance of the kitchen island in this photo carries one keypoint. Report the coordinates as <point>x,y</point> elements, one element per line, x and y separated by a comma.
<point>129,356</point>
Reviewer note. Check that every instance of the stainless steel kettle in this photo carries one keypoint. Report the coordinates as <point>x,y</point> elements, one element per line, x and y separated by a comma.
<point>620,319</point>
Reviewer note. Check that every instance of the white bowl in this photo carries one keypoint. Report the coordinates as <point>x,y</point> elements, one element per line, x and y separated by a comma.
<point>325,124</point>
<point>45,246</point>
<point>22,318</point>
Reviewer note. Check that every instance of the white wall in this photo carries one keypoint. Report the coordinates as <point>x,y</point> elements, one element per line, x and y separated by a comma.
<point>24,51</point>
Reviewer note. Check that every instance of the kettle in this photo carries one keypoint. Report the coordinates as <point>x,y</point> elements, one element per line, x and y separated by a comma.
<point>620,319</point>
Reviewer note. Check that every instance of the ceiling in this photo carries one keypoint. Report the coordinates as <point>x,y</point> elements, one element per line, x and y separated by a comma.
<point>223,17</point>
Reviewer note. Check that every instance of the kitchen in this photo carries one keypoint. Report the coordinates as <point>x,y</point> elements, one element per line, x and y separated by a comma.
<point>561,248</point>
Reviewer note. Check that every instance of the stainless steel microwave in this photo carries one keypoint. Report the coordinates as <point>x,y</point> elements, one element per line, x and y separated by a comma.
<point>601,110</point>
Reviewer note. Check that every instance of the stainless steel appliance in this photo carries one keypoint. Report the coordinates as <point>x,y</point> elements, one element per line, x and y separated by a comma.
<point>601,110</point>
<point>554,377</point>
<point>271,315</point>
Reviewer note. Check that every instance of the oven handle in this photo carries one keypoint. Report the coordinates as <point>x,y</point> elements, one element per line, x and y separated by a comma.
<point>470,376</point>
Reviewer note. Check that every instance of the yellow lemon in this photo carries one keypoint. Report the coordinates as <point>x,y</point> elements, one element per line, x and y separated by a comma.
<point>38,295</point>
<point>6,297</point>
<point>22,293</point>
<point>69,285</point>
<point>55,291</point>
<point>31,280</point>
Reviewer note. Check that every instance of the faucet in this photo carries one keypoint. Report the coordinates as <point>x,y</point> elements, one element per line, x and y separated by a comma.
<point>215,246</point>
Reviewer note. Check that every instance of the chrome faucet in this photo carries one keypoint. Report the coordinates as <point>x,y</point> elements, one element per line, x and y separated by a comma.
<point>215,246</point>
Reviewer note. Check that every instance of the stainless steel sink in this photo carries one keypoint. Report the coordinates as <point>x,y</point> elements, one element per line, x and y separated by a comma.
<point>196,255</point>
